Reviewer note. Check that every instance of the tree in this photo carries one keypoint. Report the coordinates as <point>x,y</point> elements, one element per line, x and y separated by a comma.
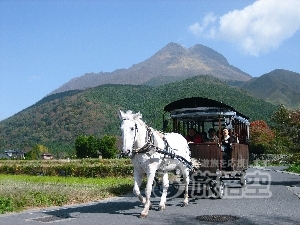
<point>281,120</point>
<point>36,151</point>
<point>261,137</point>
<point>108,146</point>
<point>295,130</point>
<point>287,129</point>
<point>87,146</point>
<point>80,146</point>
<point>91,146</point>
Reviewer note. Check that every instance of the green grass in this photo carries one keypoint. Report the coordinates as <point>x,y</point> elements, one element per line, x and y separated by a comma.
<point>20,192</point>
<point>295,168</point>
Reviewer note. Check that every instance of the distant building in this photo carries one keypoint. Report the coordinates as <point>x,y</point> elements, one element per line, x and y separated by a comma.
<point>4,156</point>
<point>46,156</point>
<point>15,154</point>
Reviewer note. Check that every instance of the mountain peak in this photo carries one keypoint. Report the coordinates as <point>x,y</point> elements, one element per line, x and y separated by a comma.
<point>171,49</point>
<point>278,86</point>
<point>171,61</point>
<point>172,46</point>
<point>208,53</point>
<point>283,72</point>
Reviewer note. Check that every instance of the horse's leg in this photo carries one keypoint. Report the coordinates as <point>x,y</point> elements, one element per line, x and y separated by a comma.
<point>148,191</point>
<point>186,180</point>
<point>138,178</point>
<point>163,199</point>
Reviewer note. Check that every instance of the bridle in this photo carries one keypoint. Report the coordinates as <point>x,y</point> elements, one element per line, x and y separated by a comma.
<point>149,140</point>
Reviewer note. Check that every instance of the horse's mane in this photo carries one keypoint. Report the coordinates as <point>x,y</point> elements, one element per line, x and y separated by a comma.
<point>160,134</point>
<point>138,118</point>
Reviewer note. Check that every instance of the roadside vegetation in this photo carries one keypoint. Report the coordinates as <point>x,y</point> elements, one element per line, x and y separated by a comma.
<point>277,143</point>
<point>295,168</point>
<point>26,184</point>
<point>21,192</point>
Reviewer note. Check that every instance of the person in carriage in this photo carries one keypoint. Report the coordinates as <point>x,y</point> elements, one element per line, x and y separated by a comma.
<point>211,136</point>
<point>193,136</point>
<point>225,141</point>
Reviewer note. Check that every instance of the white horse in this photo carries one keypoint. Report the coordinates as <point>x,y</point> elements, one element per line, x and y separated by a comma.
<point>150,151</point>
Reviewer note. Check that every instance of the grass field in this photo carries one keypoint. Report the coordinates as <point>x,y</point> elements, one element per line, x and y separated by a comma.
<point>20,192</point>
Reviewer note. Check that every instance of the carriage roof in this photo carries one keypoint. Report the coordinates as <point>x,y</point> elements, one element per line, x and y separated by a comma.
<point>204,109</point>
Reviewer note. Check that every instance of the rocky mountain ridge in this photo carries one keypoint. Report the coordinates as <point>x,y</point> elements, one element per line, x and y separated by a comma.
<point>173,62</point>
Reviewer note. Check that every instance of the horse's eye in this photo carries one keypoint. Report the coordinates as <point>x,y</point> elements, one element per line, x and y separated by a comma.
<point>132,128</point>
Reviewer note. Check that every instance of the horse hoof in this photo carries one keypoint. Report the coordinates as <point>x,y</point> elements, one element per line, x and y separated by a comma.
<point>161,208</point>
<point>184,204</point>
<point>150,206</point>
<point>143,216</point>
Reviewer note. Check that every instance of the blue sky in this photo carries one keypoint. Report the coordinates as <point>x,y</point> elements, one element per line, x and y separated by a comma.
<point>44,44</point>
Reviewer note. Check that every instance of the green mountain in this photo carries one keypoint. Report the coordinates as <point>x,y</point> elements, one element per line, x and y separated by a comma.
<point>58,119</point>
<point>277,87</point>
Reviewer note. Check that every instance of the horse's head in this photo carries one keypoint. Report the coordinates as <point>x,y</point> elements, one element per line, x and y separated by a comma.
<point>133,134</point>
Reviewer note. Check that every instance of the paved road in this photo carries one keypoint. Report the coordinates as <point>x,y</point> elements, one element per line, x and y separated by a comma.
<point>271,197</point>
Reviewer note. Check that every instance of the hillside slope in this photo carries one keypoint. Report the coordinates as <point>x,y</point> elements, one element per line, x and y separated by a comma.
<point>57,120</point>
<point>277,87</point>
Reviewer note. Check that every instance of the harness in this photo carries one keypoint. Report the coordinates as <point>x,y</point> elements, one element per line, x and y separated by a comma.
<point>149,141</point>
<point>150,147</point>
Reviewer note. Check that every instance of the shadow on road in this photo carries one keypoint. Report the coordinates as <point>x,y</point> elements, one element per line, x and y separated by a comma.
<point>117,206</point>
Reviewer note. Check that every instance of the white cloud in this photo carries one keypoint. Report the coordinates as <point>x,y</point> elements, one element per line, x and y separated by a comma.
<point>198,29</point>
<point>258,28</point>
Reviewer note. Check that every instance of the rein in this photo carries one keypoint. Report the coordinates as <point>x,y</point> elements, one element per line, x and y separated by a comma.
<point>149,142</point>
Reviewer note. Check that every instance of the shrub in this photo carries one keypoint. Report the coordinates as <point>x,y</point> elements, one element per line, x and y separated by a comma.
<point>5,205</point>
<point>73,168</point>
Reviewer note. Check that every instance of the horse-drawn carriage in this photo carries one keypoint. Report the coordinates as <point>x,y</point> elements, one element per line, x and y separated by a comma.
<point>216,166</point>
<point>199,167</point>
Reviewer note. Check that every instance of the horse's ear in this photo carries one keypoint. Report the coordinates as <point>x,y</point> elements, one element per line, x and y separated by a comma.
<point>121,114</point>
<point>139,115</point>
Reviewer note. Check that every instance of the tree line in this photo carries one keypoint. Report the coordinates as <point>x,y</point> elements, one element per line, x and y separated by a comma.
<point>281,136</point>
